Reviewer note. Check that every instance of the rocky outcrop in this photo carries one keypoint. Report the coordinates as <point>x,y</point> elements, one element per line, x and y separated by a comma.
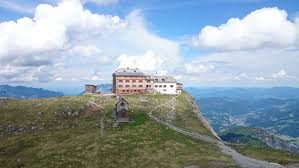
<point>63,119</point>
<point>275,142</point>
<point>18,129</point>
<point>196,109</point>
<point>68,111</point>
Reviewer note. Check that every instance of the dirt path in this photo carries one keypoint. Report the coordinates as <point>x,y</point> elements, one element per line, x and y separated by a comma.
<point>240,159</point>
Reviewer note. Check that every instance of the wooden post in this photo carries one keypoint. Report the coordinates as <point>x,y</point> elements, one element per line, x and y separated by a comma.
<point>102,133</point>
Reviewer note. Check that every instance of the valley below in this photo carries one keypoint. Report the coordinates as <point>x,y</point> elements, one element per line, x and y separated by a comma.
<point>253,117</point>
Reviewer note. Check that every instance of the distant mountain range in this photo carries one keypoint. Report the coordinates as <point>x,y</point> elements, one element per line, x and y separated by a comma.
<point>246,93</point>
<point>7,91</point>
<point>104,88</point>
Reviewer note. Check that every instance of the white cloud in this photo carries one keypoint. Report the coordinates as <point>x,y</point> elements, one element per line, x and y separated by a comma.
<point>52,30</point>
<point>280,74</point>
<point>198,67</point>
<point>242,76</point>
<point>69,43</point>
<point>59,78</point>
<point>73,43</point>
<point>266,27</point>
<point>87,50</point>
<point>96,78</point>
<point>260,78</point>
<point>248,51</point>
<point>147,62</point>
<point>250,67</point>
<point>161,52</point>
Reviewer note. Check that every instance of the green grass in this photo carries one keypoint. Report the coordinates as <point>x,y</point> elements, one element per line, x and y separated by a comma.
<point>242,135</point>
<point>268,154</point>
<point>184,116</point>
<point>76,141</point>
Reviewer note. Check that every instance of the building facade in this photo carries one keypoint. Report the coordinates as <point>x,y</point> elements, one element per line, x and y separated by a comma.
<point>90,89</point>
<point>128,81</point>
<point>164,84</point>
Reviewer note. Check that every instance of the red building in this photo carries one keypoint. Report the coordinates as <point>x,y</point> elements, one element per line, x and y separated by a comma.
<point>126,81</point>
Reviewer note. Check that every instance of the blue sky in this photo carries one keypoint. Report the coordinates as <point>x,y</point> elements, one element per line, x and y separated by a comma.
<point>244,43</point>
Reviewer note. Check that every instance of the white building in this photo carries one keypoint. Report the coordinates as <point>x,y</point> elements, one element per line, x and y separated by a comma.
<point>164,84</point>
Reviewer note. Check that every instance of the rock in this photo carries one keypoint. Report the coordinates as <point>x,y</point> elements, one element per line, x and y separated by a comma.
<point>33,128</point>
<point>76,113</point>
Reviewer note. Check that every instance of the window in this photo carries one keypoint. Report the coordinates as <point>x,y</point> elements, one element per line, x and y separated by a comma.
<point>140,86</point>
<point>163,80</point>
<point>156,85</point>
<point>140,81</point>
<point>124,90</point>
<point>128,90</point>
<point>120,80</point>
<point>171,86</point>
<point>134,86</point>
<point>122,104</point>
<point>127,86</point>
<point>120,86</point>
<point>160,85</point>
<point>127,81</point>
<point>134,81</point>
<point>156,79</point>
<point>164,90</point>
<point>164,86</point>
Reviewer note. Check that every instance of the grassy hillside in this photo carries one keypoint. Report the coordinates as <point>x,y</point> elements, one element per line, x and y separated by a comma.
<point>64,131</point>
<point>242,135</point>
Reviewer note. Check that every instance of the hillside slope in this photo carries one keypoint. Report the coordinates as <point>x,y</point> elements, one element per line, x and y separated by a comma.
<point>65,131</point>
